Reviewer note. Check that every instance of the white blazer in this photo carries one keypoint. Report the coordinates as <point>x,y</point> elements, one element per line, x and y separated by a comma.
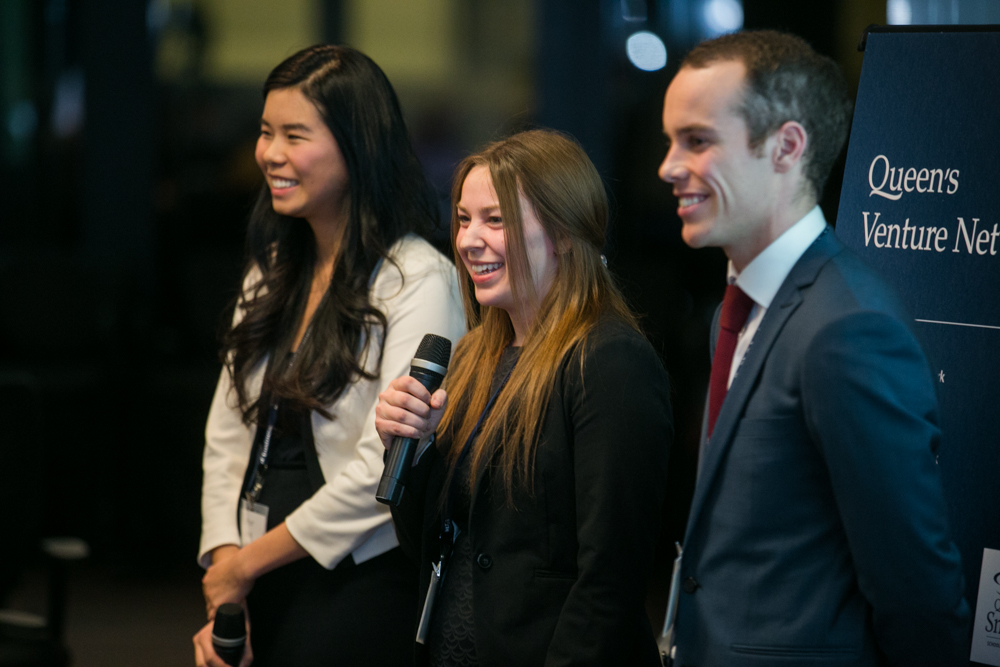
<point>342,518</point>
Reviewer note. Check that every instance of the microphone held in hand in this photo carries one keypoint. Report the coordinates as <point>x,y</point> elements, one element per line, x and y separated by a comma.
<point>229,634</point>
<point>428,367</point>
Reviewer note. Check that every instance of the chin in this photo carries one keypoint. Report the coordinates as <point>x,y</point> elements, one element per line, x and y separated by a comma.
<point>484,299</point>
<point>290,211</point>
<point>696,235</point>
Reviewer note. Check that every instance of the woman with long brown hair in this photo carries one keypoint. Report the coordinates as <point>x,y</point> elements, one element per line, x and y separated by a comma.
<point>535,511</point>
<point>338,290</point>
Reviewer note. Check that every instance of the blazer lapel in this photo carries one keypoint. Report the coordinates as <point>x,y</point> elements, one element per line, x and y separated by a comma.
<point>785,302</point>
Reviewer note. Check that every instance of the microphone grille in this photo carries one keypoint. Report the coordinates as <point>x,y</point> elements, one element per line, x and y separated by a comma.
<point>436,349</point>
<point>229,622</point>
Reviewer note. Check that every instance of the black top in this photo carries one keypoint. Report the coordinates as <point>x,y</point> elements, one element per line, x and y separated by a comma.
<point>452,637</point>
<point>287,450</point>
<point>286,480</point>
<point>461,500</point>
<point>293,473</point>
<point>559,573</point>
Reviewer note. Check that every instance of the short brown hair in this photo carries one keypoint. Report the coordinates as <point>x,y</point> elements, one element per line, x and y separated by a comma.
<point>786,80</point>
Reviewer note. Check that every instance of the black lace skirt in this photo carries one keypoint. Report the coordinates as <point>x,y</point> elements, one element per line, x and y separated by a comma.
<point>451,640</point>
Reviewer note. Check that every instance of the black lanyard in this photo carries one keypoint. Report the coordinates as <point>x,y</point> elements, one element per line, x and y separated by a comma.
<point>256,482</point>
<point>260,464</point>
<point>447,536</point>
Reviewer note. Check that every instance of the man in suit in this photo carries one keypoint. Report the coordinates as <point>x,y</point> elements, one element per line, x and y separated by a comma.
<point>818,531</point>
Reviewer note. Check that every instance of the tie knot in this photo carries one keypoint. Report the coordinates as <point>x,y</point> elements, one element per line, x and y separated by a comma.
<point>736,307</point>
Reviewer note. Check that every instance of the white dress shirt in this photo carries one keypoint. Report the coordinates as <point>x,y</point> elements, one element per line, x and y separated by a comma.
<point>763,276</point>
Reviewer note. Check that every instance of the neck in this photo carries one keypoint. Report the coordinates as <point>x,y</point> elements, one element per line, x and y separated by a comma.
<point>766,233</point>
<point>328,233</point>
<point>520,324</point>
<point>519,334</point>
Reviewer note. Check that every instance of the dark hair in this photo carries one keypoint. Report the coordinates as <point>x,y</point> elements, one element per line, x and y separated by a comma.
<point>786,80</point>
<point>389,197</point>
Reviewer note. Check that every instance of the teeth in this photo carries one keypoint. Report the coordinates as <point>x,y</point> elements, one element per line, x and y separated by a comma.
<point>482,269</point>
<point>283,183</point>
<point>691,200</point>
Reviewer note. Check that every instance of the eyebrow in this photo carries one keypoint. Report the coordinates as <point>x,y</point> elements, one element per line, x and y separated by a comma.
<point>495,207</point>
<point>290,127</point>
<point>696,127</point>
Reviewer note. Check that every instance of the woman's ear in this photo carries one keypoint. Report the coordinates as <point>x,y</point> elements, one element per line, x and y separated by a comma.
<point>562,246</point>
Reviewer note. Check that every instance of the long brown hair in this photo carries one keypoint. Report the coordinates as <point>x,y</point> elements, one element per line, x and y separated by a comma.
<point>555,176</point>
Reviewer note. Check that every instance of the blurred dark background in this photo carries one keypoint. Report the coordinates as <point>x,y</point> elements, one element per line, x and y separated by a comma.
<point>126,175</point>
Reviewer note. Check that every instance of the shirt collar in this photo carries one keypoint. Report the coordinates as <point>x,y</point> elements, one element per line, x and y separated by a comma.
<point>762,277</point>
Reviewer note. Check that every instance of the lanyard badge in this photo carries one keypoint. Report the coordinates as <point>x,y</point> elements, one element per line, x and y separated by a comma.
<point>449,530</point>
<point>253,515</point>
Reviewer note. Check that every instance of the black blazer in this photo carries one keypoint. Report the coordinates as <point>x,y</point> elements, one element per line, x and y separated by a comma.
<point>560,578</point>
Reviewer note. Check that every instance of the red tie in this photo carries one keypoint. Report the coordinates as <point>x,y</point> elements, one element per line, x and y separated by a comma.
<point>736,307</point>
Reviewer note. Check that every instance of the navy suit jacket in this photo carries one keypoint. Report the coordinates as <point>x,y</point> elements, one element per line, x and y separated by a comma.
<point>818,532</point>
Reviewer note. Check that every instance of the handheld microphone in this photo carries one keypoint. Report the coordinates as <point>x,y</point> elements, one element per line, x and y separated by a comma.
<point>428,367</point>
<point>229,634</point>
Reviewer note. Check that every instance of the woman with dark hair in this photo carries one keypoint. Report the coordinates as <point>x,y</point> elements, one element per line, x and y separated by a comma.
<point>337,293</point>
<point>536,512</point>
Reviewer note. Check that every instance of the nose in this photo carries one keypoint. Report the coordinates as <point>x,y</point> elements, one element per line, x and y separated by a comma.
<point>469,238</point>
<point>671,169</point>
<point>271,151</point>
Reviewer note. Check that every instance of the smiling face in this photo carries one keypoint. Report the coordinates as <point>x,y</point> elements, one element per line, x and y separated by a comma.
<point>725,189</point>
<point>482,245</point>
<point>300,158</point>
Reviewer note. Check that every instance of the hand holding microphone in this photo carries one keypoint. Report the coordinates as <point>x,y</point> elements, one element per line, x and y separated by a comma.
<point>229,633</point>
<point>224,640</point>
<point>409,410</point>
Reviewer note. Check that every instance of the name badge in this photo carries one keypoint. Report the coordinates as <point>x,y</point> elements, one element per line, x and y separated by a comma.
<point>253,521</point>
<point>423,628</point>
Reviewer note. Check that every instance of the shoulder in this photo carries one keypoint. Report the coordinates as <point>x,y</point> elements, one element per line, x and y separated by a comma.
<point>854,323</point>
<point>414,255</point>
<point>833,290</point>
<point>614,352</point>
<point>249,289</point>
<point>611,338</point>
<point>412,260</point>
<point>879,337</point>
<point>616,383</point>
<point>847,284</point>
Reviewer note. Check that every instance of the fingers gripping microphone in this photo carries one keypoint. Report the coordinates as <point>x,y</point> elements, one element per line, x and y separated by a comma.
<point>229,634</point>
<point>428,367</point>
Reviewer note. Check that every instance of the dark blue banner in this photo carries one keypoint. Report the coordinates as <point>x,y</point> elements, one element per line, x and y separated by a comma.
<point>921,202</point>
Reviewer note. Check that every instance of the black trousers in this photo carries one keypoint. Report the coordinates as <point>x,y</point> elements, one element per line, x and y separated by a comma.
<point>303,614</point>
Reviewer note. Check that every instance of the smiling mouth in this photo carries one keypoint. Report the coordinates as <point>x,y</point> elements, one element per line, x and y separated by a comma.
<point>690,200</point>
<point>282,183</point>
<point>486,269</point>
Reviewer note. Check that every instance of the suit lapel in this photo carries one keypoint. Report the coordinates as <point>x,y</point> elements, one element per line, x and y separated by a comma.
<point>785,302</point>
